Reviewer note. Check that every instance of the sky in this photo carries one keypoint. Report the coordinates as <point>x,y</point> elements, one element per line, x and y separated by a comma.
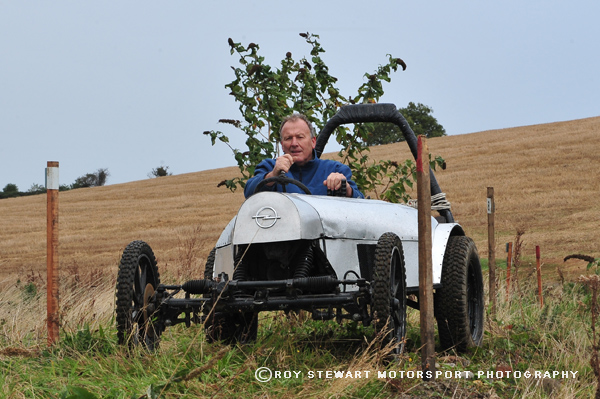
<point>131,85</point>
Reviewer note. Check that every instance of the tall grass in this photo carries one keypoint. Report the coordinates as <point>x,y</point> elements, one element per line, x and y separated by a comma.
<point>87,359</point>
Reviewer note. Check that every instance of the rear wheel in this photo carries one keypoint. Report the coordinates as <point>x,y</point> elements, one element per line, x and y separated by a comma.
<point>232,328</point>
<point>459,303</point>
<point>210,264</point>
<point>137,280</point>
<point>229,328</point>
<point>389,291</point>
<point>208,275</point>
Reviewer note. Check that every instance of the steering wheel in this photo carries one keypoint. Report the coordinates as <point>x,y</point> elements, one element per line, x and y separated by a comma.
<point>283,180</point>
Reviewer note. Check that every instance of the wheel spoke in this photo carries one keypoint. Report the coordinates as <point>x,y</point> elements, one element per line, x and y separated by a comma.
<point>140,281</point>
<point>397,317</point>
<point>135,316</point>
<point>395,289</point>
<point>144,275</point>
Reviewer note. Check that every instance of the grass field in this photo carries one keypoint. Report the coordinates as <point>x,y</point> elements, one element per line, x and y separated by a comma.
<point>545,181</point>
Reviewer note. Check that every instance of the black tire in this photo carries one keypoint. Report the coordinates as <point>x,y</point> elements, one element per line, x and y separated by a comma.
<point>209,268</point>
<point>459,303</point>
<point>210,265</point>
<point>137,280</point>
<point>239,327</point>
<point>389,291</point>
<point>232,328</point>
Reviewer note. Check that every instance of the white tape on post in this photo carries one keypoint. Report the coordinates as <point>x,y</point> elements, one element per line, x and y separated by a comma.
<point>52,178</point>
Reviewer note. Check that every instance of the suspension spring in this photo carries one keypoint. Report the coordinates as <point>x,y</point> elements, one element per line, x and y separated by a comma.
<point>239,273</point>
<point>305,263</point>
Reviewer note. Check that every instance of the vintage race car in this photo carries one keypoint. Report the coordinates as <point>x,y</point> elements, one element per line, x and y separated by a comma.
<point>337,258</point>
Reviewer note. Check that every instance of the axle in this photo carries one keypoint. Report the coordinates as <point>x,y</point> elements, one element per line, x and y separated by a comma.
<point>231,296</point>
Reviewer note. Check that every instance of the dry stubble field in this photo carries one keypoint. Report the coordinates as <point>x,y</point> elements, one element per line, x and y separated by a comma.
<point>545,179</point>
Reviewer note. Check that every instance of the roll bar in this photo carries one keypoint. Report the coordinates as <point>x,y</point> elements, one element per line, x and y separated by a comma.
<point>361,113</point>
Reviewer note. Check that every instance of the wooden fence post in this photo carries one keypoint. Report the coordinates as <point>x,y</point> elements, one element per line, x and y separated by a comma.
<point>508,265</point>
<point>425,261</point>
<point>52,187</point>
<point>491,248</point>
<point>539,274</point>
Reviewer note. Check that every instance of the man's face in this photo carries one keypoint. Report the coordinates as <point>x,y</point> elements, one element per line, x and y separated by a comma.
<point>296,141</point>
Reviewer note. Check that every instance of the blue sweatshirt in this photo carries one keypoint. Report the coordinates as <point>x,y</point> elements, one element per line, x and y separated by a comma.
<point>312,175</point>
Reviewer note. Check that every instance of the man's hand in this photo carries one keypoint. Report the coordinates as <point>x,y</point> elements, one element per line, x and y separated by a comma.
<point>282,164</point>
<point>334,182</point>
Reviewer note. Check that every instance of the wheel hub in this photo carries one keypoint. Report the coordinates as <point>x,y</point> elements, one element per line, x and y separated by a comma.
<point>148,307</point>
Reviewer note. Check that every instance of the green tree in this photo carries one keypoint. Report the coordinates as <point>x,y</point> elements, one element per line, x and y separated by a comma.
<point>160,171</point>
<point>36,189</point>
<point>10,188</point>
<point>267,94</point>
<point>95,179</point>
<point>419,118</point>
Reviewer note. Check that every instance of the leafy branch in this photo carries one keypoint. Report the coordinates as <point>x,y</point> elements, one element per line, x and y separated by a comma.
<point>266,95</point>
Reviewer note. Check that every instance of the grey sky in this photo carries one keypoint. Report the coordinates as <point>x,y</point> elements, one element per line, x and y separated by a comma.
<point>131,85</point>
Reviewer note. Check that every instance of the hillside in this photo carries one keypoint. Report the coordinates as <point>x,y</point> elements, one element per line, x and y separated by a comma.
<point>544,176</point>
<point>545,183</point>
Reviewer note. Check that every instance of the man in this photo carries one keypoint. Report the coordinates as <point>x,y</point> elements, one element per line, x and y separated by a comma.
<point>300,162</point>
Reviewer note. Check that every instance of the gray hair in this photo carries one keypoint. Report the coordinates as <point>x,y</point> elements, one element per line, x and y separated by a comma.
<point>296,116</point>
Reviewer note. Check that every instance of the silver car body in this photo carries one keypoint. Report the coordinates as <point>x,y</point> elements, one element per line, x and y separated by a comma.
<point>340,225</point>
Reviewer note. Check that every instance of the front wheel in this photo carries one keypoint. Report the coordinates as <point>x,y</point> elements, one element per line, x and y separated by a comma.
<point>137,280</point>
<point>459,303</point>
<point>389,291</point>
